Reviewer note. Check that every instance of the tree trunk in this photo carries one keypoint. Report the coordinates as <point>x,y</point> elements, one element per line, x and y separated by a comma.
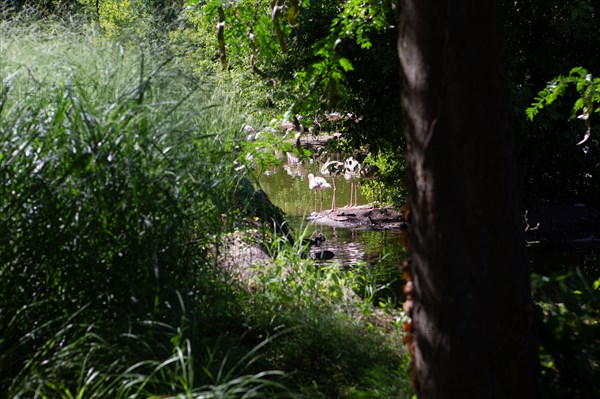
<point>221,37</point>
<point>471,303</point>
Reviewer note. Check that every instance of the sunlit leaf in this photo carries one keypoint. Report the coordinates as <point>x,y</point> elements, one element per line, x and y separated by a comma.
<point>346,64</point>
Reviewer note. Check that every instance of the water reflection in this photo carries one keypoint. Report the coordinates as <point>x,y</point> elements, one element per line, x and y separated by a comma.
<point>375,254</point>
<point>287,187</point>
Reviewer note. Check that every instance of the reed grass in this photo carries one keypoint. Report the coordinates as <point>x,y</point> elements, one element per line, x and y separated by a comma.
<point>117,168</point>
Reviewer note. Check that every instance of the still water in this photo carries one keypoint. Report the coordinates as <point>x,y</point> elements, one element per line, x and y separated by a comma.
<point>288,189</point>
<point>379,252</point>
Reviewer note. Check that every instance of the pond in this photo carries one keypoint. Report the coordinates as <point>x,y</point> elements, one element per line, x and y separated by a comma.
<point>377,254</point>
<point>383,251</point>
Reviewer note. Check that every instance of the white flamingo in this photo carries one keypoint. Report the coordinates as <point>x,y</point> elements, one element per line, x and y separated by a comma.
<point>352,172</point>
<point>317,183</point>
<point>333,169</point>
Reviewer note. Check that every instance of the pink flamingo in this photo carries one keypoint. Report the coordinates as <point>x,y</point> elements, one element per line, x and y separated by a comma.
<point>317,183</point>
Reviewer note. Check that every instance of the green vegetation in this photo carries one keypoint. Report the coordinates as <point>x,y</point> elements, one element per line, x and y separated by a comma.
<point>588,89</point>
<point>547,39</point>
<point>568,314</point>
<point>121,171</point>
<point>125,163</point>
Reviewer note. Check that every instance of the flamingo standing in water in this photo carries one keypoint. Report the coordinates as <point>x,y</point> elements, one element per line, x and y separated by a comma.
<point>333,169</point>
<point>352,172</point>
<point>317,183</point>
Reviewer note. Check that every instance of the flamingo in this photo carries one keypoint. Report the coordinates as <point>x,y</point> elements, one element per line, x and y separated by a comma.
<point>333,169</point>
<point>317,183</point>
<point>351,172</point>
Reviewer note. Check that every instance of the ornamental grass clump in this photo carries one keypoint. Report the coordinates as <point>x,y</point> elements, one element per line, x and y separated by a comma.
<point>116,169</point>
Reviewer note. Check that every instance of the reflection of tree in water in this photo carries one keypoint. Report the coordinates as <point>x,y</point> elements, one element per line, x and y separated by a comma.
<point>291,193</point>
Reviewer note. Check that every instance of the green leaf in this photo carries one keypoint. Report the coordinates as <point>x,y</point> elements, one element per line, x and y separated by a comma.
<point>578,71</point>
<point>346,64</point>
<point>531,112</point>
<point>579,104</point>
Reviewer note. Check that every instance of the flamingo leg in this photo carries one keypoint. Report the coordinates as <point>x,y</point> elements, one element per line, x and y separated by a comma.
<point>334,191</point>
<point>321,202</point>
<point>353,194</point>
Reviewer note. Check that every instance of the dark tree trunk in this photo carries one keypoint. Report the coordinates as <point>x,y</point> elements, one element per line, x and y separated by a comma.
<point>221,37</point>
<point>471,303</point>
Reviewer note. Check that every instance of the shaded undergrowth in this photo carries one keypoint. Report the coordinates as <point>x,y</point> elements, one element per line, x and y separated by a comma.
<point>568,321</point>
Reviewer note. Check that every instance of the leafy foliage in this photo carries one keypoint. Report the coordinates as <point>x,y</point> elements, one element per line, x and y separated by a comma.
<point>324,342</point>
<point>327,61</point>
<point>568,314</point>
<point>545,39</point>
<point>122,172</point>
<point>588,89</point>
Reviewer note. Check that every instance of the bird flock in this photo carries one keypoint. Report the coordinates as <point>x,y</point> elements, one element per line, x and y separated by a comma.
<point>351,170</point>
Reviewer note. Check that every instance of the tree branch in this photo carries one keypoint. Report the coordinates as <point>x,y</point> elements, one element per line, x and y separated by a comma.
<point>277,7</point>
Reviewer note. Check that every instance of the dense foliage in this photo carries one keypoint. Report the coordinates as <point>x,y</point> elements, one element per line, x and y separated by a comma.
<point>108,163</point>
<point>314,59</point>
<point>324,56</point>
<point>568,316</point>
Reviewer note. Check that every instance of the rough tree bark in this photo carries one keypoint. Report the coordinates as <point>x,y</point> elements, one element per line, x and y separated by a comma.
<point>470,297</point>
